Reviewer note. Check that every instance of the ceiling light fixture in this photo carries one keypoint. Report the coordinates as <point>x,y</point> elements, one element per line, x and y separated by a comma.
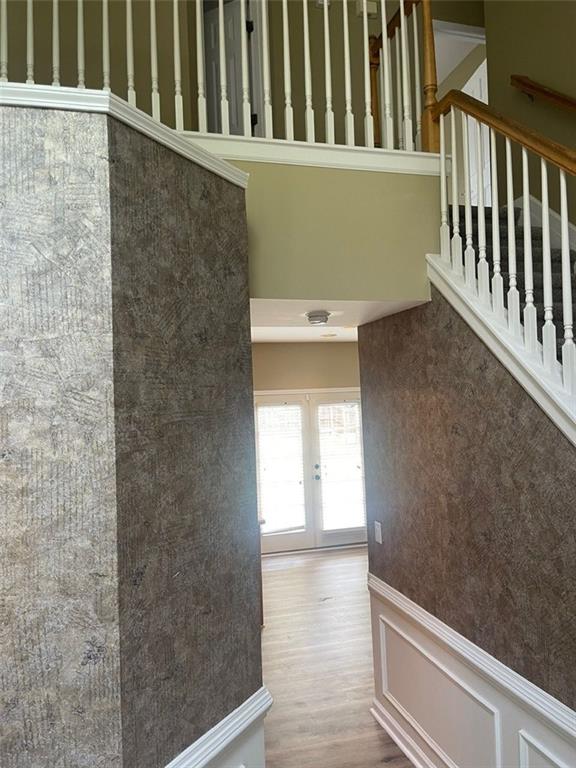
<point>318,316</point>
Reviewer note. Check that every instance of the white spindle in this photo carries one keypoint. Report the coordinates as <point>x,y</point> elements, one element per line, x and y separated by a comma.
<point>349,115</point>
<point>483,269</point>
<point>549,329</point>
<point>3,41</point>
<point>309,109</point>
<point>444,226</point>
<point>368,118</point>
<point>268,127</point>
<point>80,57</point>
<point>130,54</point>
<point>406,94</point>
<point>55,43</point>
<point>530,315</point>
<point>202,115</point>
<point>497,282</point>
<point>568,348</point>
<point>178,100</point>
<point>513,296</point>
<point>469,253</point>
<point>456,243</point>
<point>224,105</point>
<point>288,110</point>
<point>399,129</point>
<point>417,78</point>
<point>154,62</point>
<point>387,121</point>
<point>246,108</point>
<point>29,42</point>
<point>105,46</point>
<point>328,76</point>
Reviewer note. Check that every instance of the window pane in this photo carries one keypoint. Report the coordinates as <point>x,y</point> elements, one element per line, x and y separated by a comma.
<point>341,466</point>
<point>280,468</point>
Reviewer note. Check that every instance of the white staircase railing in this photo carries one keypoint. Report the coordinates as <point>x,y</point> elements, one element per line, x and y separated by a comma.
<point>307,70</point>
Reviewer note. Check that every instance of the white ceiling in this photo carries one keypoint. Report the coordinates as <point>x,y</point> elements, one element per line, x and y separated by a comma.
<point>284,320</point>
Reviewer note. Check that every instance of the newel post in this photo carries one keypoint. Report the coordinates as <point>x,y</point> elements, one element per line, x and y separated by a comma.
<point>430,128</point>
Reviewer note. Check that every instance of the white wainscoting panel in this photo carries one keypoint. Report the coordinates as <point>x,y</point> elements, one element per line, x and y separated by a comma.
<point>237,741</point>
<point>449,704</point>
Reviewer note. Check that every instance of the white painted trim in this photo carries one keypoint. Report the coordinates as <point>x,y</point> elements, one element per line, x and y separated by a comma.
<point>555,222</point>
<point>464,32</point>
<point>318,155</point>
<point>222,736</point>
<point>320,391</point>
<point>529,371</point>
<point>104,102</point>
<point>401,737</point>
<point>551,711</point>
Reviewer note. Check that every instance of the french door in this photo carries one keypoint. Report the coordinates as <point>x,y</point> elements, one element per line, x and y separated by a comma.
<point>310,470</point>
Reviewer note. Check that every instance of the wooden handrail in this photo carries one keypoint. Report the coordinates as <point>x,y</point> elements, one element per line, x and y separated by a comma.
<point>557,154</point>
<point>537,90</point>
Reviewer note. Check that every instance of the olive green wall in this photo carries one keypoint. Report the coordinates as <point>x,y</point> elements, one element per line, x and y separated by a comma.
<point>339,234</point>
<point>305,366</point>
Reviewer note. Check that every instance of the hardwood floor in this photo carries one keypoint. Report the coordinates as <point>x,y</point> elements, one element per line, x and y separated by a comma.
<point>318,664</point>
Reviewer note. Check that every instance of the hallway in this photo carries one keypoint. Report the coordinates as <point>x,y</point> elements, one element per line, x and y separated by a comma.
<point>317,660</point>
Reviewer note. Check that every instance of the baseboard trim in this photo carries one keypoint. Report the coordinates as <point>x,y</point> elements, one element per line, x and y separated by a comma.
<point>551,711</point>
<point>222,736</point>
<point>399,736</point>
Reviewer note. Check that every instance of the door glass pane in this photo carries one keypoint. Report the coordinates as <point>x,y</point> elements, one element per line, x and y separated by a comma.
<point>342,474</point>
<point>280,468</point>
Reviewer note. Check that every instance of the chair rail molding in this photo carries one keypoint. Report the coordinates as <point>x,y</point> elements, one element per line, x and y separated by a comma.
<point>237,740</point>
<point>483,713</point>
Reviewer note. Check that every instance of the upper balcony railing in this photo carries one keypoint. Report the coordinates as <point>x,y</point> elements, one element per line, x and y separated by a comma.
<point>295,70</point>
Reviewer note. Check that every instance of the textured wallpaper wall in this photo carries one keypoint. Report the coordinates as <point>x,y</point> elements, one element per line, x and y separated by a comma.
<point>476,490</point>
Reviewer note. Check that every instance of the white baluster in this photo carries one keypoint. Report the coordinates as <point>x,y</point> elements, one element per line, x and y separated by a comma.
<point>349,115</point>
<point>387,121</point>
<point>469,253</point>
<point>456,243</point>
<point>105,46</point>
<point>154,62</point>
<point>55,43</point>
<point>29,42</point>
<point>202,115</point>
<point>483,269</point>
<point>368,118</point>
<point>80,57</point>
<point>130,54</point>
<point>288,110</point>
<point>497,281</point>
<point>246,108</point>
<point>444,226</point>
<point>224,105</point>
<point>530,315</point>
<point>268,127</point>
<point>309,109</point>
<point>417,79</point>
<point>399,129</point>
<point>406,95</point>
<point>328,77</point>
<point>568,348</point>
<point>3,41</point>
<point>549,329</point>
<point>178,100</point>
<point>513,296</point>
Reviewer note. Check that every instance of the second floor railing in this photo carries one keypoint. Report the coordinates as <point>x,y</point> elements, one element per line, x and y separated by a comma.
<point>296,70</point>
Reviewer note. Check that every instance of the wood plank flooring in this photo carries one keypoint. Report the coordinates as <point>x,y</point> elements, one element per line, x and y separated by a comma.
<point>318,664</point>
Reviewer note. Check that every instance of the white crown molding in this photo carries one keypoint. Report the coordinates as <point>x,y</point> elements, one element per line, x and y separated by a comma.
<point>550,710</point>
<point>465,32</point>
<point>210,746</point>
<point>104,102</point>
<point>529,371</point>
<point>338,156</point>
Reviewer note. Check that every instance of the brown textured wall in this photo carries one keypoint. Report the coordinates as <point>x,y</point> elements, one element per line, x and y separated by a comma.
<point>187,522</point>
<point>476,490</point>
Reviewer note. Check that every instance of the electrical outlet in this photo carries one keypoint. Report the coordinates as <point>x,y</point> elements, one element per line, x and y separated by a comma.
<point>378,531</point>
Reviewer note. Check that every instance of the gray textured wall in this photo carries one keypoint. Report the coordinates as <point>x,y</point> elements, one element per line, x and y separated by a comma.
<point>476,490</point>
<point>130,582</point>
<point>59,664</point>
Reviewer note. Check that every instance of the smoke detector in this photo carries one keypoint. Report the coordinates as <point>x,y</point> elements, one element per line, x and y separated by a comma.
<point>318,316</point>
